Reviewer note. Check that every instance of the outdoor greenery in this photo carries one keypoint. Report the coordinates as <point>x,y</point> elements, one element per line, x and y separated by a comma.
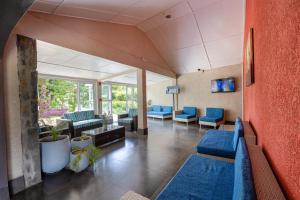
<point>119,98</point>
<point>59,96</point>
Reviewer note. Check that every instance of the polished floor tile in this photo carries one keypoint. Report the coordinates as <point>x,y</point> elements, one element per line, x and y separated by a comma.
<point>143,164</point>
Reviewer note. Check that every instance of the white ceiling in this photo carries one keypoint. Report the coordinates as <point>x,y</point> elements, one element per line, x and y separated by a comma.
<point>200,33</point>
<point>59,61</point>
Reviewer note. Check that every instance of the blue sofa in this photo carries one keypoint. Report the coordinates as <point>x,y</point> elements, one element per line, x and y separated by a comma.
<point>214,117</point>
<point>81,121</point>
<point>221,143</point>
<point>188,114</point>
<point>206,178</point>
<point>161,112</point>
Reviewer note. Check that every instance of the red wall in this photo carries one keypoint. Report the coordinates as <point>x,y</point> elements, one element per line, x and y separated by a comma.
<point>272,103</point>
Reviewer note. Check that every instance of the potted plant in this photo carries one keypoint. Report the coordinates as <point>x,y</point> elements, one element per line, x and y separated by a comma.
<point>81,142</point>
<point>55,151</point>
<point>79,160</point>
<point>93,155</point>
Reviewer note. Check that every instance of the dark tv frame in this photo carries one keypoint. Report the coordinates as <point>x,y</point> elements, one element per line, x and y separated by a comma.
<point>223,79</point>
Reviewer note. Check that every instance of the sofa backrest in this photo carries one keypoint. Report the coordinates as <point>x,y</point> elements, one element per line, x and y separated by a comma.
<point>132,112</point>
<point>156,108</point>
<point>190,110</point>
<point>243,188</point>
<point>168,109</point>
<point>80,116</point>
<point>238,132</point>
<point>215,112</point>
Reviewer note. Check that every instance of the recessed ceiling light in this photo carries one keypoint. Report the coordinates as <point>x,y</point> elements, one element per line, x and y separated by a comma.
<point>168,16</point>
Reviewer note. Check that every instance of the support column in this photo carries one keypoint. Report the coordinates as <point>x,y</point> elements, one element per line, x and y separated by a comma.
<point>99,98</point>
<point>28,94</point>
<point>142,102</point>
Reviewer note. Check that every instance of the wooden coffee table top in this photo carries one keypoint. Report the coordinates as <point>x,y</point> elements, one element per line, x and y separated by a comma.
<point>101,130</point>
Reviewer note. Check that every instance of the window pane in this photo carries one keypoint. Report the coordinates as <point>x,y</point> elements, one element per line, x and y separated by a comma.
<point>106,107</point>
<point>132,93</point>
<point>105,92</point>
<point>55,98</point>
<point>132,104</point>
<point>118,98</point>
<point>86,96</point>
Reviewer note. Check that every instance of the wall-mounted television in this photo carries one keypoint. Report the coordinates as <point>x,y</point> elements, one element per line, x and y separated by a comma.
<point>172,89</point>
<point>223,85</point>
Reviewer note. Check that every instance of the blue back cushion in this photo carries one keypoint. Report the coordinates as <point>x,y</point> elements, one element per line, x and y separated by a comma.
<point>190,110</point>
<point>167,109</point>
<point>215,112</point>
<point>243,183</point>
<point>80,116</point>
<point>156,108</point>
<point>132,112</point>
<point>238,132</point>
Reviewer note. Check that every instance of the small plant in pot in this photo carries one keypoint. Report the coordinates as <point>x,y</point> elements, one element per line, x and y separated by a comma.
<point>81,142</point>
<point>81,158</point>
<point>55,151</point>
<point>105,120</point>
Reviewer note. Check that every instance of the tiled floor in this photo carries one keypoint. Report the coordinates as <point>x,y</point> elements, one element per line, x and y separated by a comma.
<point>143,164</point>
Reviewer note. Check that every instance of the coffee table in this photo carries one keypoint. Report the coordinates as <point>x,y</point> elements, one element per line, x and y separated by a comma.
<point>102,136</point>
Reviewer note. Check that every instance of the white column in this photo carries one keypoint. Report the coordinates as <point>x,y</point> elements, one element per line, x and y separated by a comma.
<point>98,98</point>
<point>142,102</point>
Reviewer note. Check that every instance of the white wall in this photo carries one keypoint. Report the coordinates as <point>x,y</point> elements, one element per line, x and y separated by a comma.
<point>196,91</point>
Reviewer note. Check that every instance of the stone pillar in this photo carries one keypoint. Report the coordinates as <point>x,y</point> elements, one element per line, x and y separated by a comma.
<point>142,102</point>
<point>28,94</point>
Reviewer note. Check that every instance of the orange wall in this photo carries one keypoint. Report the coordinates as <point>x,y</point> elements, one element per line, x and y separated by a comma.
<point>121,43</point>
<point>272,103</point>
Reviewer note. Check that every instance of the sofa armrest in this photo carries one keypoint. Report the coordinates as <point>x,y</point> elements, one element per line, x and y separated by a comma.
<point>122,115</point>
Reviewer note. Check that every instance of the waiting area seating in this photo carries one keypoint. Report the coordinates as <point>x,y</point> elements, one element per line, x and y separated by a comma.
<point>188,114</point>
<point>206,178</point>
<point>160,112</point>
<point>81,121</point>
<point>221,143</point>
<point>214,117</point>
<point>129,120</point>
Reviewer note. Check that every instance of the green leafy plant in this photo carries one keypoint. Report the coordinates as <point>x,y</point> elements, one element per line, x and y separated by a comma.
<point>83,137</point>
<point>55,133</point>
<point>93,154</point>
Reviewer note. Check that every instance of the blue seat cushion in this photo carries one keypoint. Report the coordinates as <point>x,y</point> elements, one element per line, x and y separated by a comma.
<point>156,108</point>
<point>184,116</point>
<point>210,119</point>
<point>215,112</point>
<point>159,113</point>
<point>190,111</point>
<point>217,143</point>
<point>243,183</point>
<point>167,109</point>
<point>87,123</point>
<point>200,178</point>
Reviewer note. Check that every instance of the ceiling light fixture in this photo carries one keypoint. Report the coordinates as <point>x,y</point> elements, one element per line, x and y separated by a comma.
<point>168,16</point>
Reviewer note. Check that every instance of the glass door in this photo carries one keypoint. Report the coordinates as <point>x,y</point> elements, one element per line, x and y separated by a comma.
<point>86,96</point>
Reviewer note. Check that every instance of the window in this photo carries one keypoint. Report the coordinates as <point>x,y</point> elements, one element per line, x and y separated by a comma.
<point>57,96</point>
<point>118,98</point>
<point>86,97</point>
<point>106,98</point>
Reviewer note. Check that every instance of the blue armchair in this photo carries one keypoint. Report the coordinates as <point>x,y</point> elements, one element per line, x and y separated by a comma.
<point>188,114</point>
<point>214,117</point>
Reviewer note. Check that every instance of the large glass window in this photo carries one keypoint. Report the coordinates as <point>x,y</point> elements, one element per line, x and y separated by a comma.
<point>57,96</point>
<point>118,98</point>
<point>86,97</point>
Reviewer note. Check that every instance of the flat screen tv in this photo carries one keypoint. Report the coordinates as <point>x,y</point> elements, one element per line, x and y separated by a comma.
<point>172,89</point>
<point>223,85</point>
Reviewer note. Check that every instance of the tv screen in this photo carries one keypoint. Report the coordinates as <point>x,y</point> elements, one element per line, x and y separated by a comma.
<point>172,89</point>
<point>223,85</point>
